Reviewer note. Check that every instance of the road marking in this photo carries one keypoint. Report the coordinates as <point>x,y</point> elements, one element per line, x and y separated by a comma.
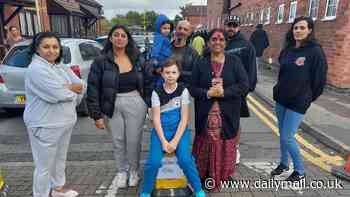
<point>112,189</point>
<point>315,160</point>
<point>335,160</point>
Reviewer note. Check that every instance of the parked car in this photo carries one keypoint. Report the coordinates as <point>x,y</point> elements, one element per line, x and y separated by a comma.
<point>101,39</point>
<point>77,54</point>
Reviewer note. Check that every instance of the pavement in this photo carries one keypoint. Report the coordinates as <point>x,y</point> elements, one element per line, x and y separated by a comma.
<point>327,120</point>
<point>91,171</point>
<point>91,166</point>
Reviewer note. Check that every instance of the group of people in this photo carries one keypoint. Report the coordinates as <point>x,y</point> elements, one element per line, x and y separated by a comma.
<point>121,87</point>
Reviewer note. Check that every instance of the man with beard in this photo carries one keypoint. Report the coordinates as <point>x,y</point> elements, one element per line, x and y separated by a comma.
<point>186,56</point>
<point>236,44</point>
<point>183,52</point>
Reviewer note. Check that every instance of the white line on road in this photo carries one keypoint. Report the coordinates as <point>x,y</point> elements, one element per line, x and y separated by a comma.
<point>112,189</point>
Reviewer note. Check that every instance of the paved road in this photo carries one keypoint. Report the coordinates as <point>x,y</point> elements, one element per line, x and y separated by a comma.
<point>90,168</point>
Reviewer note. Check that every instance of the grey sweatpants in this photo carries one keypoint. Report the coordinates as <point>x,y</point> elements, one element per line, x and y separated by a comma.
<point>49,149</point>
<point>126,128</point>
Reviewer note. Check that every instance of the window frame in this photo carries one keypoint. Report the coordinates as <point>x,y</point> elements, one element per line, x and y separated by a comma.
<point>326,11</point>
<point>290,19</point>
<point>280,11</point>
<point>28,23</point>
<point>261,17</point>
<point>310,9</point>
<point>267,16</point>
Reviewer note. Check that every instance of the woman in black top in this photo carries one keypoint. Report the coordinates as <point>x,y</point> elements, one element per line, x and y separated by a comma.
<point>115,86</point>
<point>301,79</point>
<point>219,82</point>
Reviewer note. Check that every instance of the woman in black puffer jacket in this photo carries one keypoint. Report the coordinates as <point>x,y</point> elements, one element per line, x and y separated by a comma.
<point>115,101</point>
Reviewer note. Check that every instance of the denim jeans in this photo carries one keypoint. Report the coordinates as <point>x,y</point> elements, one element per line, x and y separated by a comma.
<point>288,123</point>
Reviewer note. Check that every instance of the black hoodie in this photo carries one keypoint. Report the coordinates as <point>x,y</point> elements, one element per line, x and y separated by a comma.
<point>302,76</point>
<point>239,46</point>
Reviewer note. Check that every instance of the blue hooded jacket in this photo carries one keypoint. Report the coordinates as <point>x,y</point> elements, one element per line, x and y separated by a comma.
<point>161,46</point>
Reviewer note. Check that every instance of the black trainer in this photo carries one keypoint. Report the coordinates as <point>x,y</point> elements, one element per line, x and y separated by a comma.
<point>295,176</point>
<point>281,169</point>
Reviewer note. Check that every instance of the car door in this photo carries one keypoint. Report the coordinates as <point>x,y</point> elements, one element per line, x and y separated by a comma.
<point>14,68</point>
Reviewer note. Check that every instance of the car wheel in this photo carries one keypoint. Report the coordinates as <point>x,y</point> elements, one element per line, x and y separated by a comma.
<point>82,109</point>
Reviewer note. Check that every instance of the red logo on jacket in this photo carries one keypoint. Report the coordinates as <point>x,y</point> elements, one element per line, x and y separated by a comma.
<point>300,61</point>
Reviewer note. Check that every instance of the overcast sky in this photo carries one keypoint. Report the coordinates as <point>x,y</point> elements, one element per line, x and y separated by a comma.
<point>167,7</point>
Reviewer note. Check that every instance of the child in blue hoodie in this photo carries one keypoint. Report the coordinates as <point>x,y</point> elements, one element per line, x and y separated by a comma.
<point>161,50</point>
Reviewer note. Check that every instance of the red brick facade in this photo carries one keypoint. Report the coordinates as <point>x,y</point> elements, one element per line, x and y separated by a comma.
<point>196,14</point>
<point>214,13</point>
<point>332,33</point>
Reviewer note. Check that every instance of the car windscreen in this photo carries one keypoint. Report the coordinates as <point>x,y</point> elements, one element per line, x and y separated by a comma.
<point>20,56</point>
<point>89,51</point>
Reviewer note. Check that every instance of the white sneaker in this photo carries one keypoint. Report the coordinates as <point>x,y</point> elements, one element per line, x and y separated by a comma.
<point>122,179</point>
<point>68,193</point>
<point>238,156</point>
<point>133,179</point>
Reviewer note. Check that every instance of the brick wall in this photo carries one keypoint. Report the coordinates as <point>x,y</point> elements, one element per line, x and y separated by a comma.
<point>15,20</point>
<point>332,34</point>
<point>214,13</point>
<point>196,20</point>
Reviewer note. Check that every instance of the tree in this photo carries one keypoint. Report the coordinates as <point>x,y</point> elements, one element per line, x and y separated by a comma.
<point>120,21</point>
<point>134,18</point>
<point>177,19</point>
<point>105,26</point>
<point>149,20</point>
<point>145,20</point>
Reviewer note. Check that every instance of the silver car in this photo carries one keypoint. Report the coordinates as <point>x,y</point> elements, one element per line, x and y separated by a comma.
<point>77,54</point>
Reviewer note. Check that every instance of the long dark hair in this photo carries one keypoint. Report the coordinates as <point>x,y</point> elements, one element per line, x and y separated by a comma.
<point>290,41</point>
<point>39,37</point>
<point>207,51</point>
<point>131,48</point>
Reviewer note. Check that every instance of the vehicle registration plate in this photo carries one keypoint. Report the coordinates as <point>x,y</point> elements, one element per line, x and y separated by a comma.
<point>21,99</point>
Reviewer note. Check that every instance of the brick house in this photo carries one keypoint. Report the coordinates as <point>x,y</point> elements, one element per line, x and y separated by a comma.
<point>69,18</point>
<point>215,13</point>
<point>332,18</point>
<point>196,14</point>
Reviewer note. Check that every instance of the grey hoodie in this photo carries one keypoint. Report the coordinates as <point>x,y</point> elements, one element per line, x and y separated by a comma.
<point>48,102</point>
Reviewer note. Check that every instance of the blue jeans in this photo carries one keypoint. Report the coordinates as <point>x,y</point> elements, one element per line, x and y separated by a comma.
<point>288,123</point>
<point>184,157</point>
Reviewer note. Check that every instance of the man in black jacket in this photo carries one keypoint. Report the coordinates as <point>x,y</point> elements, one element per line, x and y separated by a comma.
<point>236,44</point>
<point>183,52</point>
<point>260,41</point>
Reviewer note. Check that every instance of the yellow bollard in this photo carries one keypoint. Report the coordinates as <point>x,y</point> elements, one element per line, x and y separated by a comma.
<point>171,180</point>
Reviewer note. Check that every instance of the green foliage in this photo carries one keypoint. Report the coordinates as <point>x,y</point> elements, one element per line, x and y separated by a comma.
<point>177,19</point>
<point>146,19</point>
<point>105,26</point>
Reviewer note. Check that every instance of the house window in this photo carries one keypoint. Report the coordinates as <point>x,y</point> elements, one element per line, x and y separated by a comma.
<point>247,18</point>
<point>267,15</point>
<point>280,14</point>
<point>251,18</point>
<point>29,23</point>
<point>59,24</point>
<point>261,20</point>
<point>292,11</point>
<point>77,27</point>
<point>331,11</point>
<point>313,11</point>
